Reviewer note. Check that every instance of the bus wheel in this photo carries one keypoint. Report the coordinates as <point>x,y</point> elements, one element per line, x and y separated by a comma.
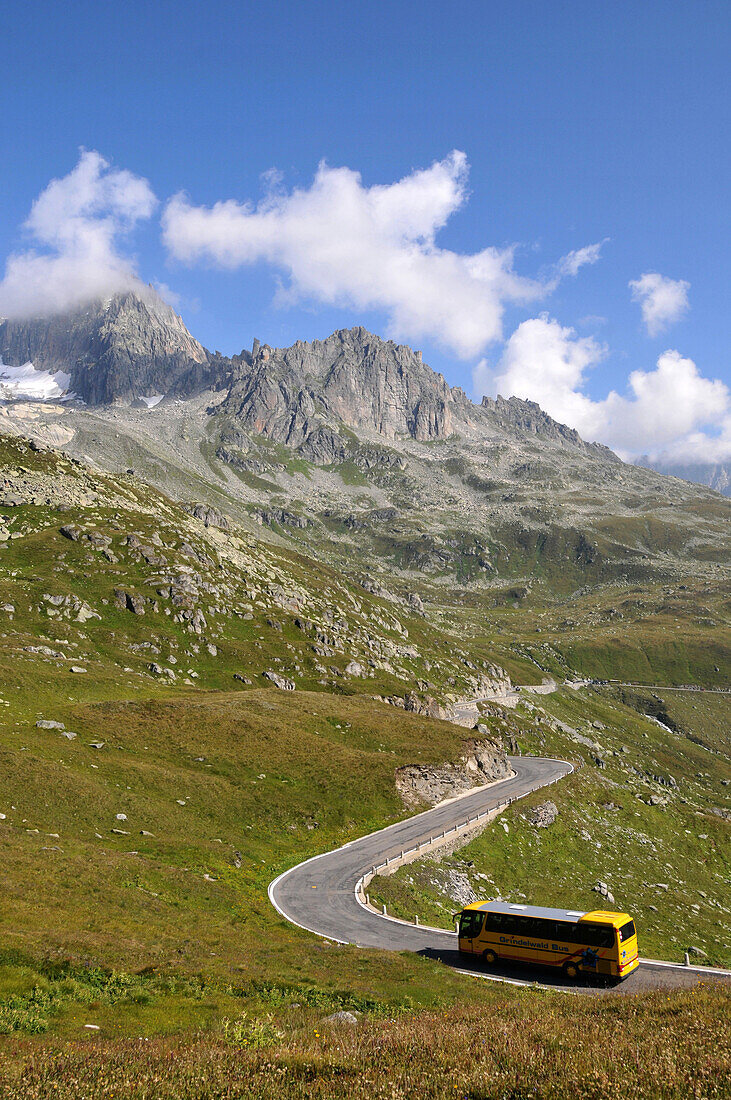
<point>489,957</point>
<point>571,970</point>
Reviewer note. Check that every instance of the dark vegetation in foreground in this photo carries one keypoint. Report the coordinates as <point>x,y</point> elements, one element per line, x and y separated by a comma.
<point>517,1046</point>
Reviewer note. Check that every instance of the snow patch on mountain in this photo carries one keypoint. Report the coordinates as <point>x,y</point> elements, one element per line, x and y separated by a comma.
<point>28,384</point>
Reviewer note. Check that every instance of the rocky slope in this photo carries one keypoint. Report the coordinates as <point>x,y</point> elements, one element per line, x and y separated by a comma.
<point>716,475</point>
<point>106,573</point>
<point>354,450</point>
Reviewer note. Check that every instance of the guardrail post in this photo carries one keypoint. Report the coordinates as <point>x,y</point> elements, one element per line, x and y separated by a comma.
<point>416,920</point>
<point>368,899</point>
<point>384,910</point>
<point>687,959</point>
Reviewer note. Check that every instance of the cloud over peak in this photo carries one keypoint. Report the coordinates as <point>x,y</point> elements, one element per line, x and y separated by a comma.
<point>662,301</point>
<point>341,242</point>
<point>77,221</point>
<point>672,405</point>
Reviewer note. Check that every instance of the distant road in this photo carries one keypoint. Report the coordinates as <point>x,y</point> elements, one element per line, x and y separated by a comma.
<point>320,895</point>
<point>659,687</point>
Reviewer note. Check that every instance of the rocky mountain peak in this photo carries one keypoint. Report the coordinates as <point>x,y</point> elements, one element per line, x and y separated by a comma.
<point>353,378</point>
<point>300,395</point>
<point>120,349</point>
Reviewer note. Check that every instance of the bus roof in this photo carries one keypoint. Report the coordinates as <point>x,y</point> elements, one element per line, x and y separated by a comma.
<point>602,916</point>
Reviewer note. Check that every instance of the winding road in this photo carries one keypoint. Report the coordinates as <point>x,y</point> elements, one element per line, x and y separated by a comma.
<point>325,894</point>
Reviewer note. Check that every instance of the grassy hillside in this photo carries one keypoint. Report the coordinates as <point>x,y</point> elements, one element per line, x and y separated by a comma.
<point>169,781</point>
<point>524,1046</point>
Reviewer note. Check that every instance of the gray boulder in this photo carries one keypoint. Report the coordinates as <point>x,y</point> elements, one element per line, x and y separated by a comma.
<point>342,1017</point>
<point>279,681</point>
<point>544,815</point>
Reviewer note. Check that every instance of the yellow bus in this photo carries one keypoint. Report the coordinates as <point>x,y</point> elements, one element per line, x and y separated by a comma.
<point>596,942</point>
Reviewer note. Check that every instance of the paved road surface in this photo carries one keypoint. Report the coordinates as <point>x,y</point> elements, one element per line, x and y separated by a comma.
<point>320,894</point>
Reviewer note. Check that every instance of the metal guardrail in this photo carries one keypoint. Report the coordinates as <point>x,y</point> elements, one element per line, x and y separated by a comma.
<point>408,855</point>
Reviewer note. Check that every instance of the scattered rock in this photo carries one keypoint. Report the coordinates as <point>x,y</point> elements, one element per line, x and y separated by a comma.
<point>241,678</point>
<point>279,681</point>
<point>544,815</point>
<point>45,651</point>
<point>342,1017</point>
<point>415,602</point>
<point>77,668</point>
<point>48,724</point>
<point>458,887</point>
<point>129,601</point>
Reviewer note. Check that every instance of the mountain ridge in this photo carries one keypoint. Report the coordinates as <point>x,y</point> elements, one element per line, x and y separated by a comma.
<point>134,347</point>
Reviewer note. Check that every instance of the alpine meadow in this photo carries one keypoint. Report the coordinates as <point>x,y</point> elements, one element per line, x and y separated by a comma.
<point>364,685</point>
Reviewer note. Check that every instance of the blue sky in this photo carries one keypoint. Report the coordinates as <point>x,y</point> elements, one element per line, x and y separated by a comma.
<point>579,124</point>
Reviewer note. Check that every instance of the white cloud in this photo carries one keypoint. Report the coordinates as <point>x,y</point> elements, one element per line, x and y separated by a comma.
<point>699,447</point>
<point>571,263</point>
<point>662,301</point>
<point>343,243</point>
<point>77,220</point>
<point>670,407</point>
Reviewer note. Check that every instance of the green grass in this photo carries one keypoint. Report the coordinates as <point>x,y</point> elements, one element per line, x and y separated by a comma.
<point>169,934</point>
<point>520,1046</point>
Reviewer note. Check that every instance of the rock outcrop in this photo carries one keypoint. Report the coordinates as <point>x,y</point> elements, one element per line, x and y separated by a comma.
<point>483,762</point>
